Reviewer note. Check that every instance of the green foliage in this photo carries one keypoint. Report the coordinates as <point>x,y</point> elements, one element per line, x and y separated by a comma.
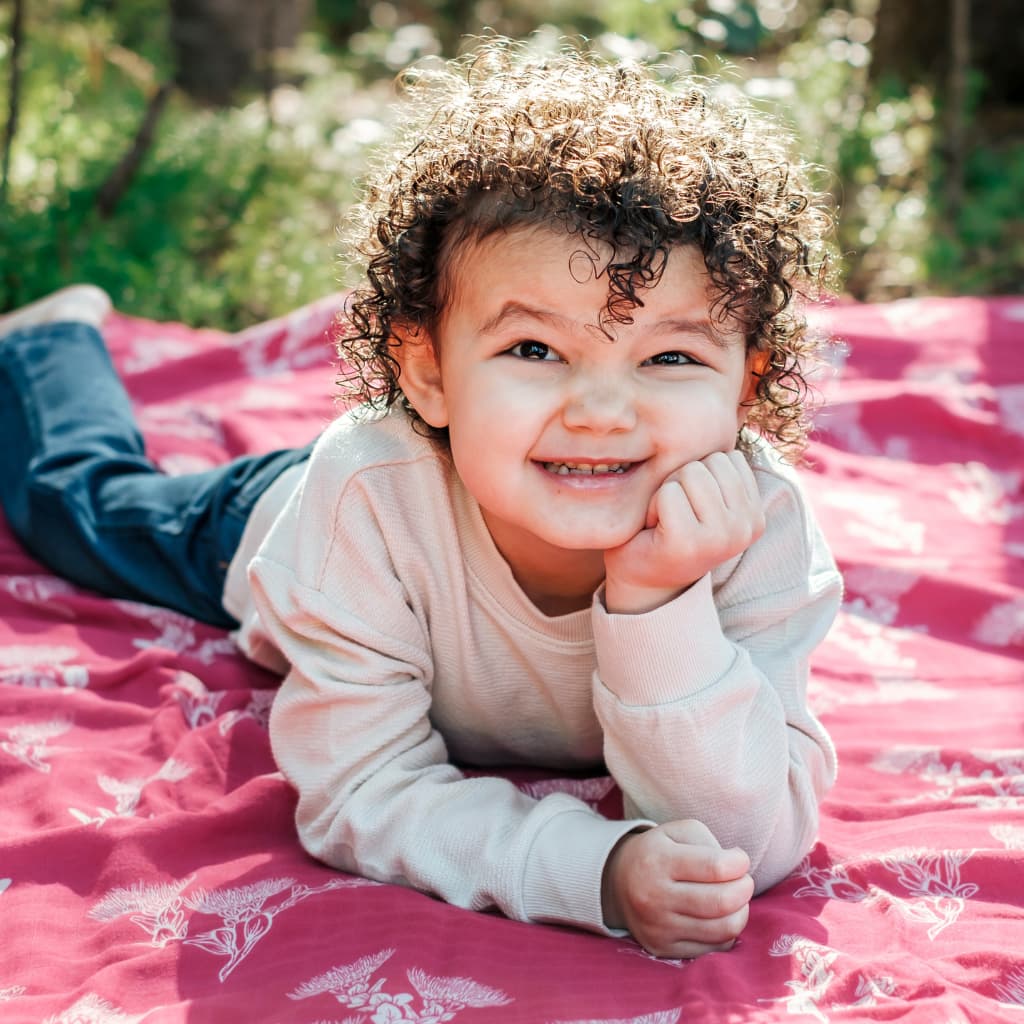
<point>982,252</point>
<point>232,215</point>
<point>231,218</point>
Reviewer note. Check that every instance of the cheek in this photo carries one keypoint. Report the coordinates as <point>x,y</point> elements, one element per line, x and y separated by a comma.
<point>497,412</point>
<point>704,420</point>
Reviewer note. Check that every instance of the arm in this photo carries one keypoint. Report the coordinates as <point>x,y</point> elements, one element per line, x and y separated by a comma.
<point>701,692</point>
<point>703,698</point>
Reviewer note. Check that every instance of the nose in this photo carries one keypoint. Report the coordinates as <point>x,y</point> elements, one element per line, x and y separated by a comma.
<point>601,403</point>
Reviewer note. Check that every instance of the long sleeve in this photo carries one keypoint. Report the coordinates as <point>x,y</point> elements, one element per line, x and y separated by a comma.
<point>410,649</point>
<point>703,702</point>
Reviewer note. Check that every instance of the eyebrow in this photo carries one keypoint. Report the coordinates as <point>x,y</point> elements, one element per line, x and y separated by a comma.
<point>514,310</point>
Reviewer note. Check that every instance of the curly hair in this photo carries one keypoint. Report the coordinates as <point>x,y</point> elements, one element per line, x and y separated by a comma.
<point>502,139</point>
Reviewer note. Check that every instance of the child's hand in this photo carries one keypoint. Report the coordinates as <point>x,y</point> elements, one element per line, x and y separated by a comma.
<point>702,515</point>
<point>676,890</point>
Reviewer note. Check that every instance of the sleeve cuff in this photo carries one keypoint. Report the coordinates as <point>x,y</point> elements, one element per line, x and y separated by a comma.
<point>663,655</point>
<point>562,883</point>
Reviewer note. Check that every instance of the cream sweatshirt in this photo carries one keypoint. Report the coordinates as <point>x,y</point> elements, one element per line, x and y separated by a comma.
<point>408,647</point>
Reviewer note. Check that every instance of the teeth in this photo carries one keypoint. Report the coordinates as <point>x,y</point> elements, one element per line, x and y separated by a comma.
<point>586,469</point>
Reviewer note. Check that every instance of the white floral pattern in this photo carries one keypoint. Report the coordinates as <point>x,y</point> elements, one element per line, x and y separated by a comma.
<point>872,643</point>
<point>42,667</point>
<point>176,633</point>
<point>154,351</point>
<point>814,962</point>
<point>1002,625</point>
<point>1011,989</point>
<point>935,895</point>
<point>1011,836</point>
<point>809,994</point>
<point>983,495</point>
<point>658,1017</point>
<point>28,741</point>
<point>878,519</point>
<point>128,792</point>
<point>247,912</point>
<point>441,997</point>
<point>291,337</point>
<point>1000,783</point>
<point>1011,407</point>
<point>638,950</point>
<point>257,709</point>
<point>198,704</point>
<point>191,421</point>
<point>42,592</point>
<point>590,791</point>
<point>155,907</point>
<point>91,1009</point>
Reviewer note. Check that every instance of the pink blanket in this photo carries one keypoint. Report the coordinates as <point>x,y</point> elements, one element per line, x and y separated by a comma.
<point>148,865</point>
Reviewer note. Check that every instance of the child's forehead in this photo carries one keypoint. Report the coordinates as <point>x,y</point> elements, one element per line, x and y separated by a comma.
<point>561,278</point>
<point>538,248</point>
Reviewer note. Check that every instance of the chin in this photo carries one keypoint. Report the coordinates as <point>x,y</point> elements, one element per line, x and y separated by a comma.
<point>592,540</point>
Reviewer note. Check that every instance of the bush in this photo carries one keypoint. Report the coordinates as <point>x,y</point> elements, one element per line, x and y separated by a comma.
<point>231,217</point>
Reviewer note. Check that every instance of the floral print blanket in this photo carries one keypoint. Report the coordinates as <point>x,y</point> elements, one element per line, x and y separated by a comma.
<point>149,869</point>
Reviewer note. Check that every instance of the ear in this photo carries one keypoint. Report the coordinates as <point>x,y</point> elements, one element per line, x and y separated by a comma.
<point>420,377</point>
<point>757,363</point>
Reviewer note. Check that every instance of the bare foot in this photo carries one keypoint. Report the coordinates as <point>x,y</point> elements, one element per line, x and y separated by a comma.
<point>82,303</point>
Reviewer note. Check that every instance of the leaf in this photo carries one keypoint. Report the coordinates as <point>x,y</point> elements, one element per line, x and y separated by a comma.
<point>220,941</point>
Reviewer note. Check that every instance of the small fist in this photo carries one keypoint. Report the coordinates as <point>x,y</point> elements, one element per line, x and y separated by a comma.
<point>677,891</point>
<point>703,514</point>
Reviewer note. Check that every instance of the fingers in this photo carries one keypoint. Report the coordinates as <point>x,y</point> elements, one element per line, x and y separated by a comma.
<point>721,479</point>
<point>689,830</point>
<point>716,505</point>
<point>688,949</point>
<point>691,950</point>
<point>711,901</point>
<point>706,865</point>
<point>687,935</point>
<point>719,932</point>
<point>678,891</point>
<point>703,514</point>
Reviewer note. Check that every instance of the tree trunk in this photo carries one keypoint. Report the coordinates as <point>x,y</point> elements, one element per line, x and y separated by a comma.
<point>913,44</point>
<point>219,43</point>
<point>13,95</point>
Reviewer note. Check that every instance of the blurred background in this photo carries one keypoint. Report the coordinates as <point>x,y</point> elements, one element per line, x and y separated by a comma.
<point>194,157</point>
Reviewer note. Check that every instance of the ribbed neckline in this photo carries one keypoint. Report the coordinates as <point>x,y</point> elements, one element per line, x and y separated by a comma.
<point>487,566</point>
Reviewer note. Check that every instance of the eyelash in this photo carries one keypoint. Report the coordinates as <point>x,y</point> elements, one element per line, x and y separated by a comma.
<point>683,360</point>
<point>680,358</point>
<point>516,350</point>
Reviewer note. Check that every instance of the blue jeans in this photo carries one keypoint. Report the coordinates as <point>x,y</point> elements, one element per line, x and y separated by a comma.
<point>81,496</point>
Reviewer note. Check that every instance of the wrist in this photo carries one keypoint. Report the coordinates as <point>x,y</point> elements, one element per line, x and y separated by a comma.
<point>629,599</point>
<point>611,904</point>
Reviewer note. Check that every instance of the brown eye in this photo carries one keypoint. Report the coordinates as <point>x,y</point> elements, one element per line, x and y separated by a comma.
<point>532,350</point>
<point>669,359</point>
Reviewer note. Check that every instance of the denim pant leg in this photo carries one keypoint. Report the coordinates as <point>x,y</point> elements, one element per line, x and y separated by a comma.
<point>82,497</point>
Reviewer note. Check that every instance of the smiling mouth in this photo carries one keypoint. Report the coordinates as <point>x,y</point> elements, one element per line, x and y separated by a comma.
<point>586,468</point>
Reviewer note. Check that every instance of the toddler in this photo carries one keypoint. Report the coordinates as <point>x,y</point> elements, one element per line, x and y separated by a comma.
<point>559,528</point>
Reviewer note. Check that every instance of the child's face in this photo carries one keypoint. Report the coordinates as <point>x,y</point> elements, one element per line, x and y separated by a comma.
<point>561,435</point>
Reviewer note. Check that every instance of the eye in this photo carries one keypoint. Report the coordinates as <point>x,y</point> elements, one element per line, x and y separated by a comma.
<point>533,350</point>
<point>670,359</point>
